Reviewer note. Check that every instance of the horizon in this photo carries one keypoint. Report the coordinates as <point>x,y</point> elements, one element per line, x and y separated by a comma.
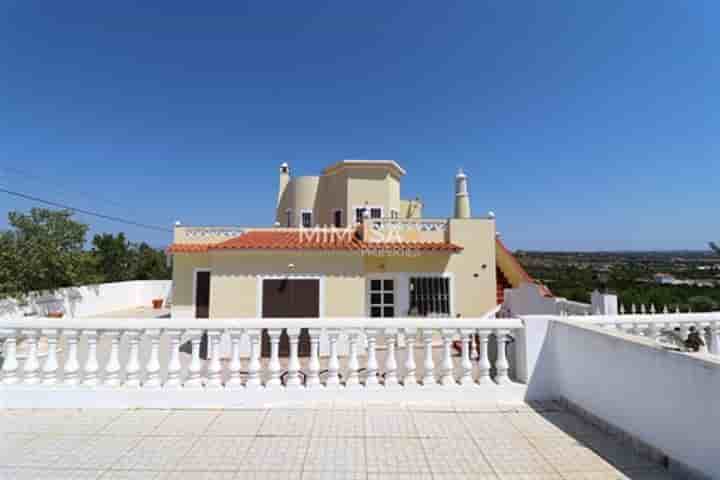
<point>585,128</point>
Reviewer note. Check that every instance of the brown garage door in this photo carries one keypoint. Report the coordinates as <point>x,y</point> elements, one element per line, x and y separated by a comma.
<point>290,298</point>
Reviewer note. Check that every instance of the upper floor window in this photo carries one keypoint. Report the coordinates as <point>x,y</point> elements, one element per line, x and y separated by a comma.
<point>376,212</point>
<point>306,218</point>
<point>429,297</point>
<point>394,213</point>
<point>337,218</point>
<point>359,214</point>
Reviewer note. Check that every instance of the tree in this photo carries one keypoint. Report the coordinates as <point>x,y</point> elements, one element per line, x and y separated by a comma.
<point>113,256</point>
<point>150,263</point>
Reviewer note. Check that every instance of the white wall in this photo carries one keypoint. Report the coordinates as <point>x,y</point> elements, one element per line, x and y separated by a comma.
<point>665,399</point>
<point>528,300</point>
<point>90,300</point>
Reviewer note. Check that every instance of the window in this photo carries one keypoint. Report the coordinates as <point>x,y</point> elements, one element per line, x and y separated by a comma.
<point>394,213</point>
<point>429,296</point>
<point>359,214</point>
<point>376,212</point>
<point>306,218</point>
<point>337,218</point>
<point>382,298</point>
<point>288,218</point>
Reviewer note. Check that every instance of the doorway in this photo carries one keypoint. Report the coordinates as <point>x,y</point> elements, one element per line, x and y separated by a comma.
<point>290,298</point>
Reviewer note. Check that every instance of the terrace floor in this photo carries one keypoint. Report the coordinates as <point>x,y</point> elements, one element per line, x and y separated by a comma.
<point>323,441</point>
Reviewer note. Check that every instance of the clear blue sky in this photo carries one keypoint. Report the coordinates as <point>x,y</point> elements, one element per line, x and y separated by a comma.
<point>583,125</point>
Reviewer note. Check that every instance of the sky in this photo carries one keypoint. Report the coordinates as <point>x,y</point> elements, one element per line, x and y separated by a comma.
<point>582,125</point>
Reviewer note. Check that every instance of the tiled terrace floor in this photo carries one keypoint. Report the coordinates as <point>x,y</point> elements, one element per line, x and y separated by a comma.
<point>364,441</point>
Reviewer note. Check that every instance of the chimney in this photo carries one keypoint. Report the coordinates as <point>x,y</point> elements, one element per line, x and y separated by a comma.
<point>284,180</point>
<point>462,199</point>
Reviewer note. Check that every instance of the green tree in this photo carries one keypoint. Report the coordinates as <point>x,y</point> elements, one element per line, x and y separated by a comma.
<point>149,263</point>
<point>113,256</point>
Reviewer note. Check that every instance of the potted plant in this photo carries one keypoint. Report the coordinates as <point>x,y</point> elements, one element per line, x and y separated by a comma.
<point>157,303</point>
<point>55,314</point>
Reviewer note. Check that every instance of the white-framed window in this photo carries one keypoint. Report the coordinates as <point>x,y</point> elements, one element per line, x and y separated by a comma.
<point>394,213</point>
<point>375,212</point>
<point>381,300</point>
<point>306,220</point>
<point>429,296</point>
<point>338,218</point>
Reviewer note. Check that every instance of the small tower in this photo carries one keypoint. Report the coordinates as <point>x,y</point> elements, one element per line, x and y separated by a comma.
<point>462,198</point>
<point>284,180</point>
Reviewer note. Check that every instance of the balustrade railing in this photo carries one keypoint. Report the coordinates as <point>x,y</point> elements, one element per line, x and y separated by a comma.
<point>146,354</point>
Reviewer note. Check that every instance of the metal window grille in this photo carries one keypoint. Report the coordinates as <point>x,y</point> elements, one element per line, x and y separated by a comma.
<point>306,219</point>
<point>376,213</point>
<point>429,296</point>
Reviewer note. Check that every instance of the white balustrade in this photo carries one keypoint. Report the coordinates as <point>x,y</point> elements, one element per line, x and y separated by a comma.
<point>71,368</point>
<point>194,378</point>
<point>174,369</point>
<point>333,378</point>
<point>10,363</point>
<point>132,367</point>
<point>90,370</point>
<point>293,375</point>
<point>447,378</point>
<point>428,363</point>
<point>215,369</point>
<point>112,368</point>
<point>235,380</point>
<point>391,378</point>
<point>274,365</point>
<point>410,379</point>
<point>313,378</point>
<point>50,366</point>
<point>484,357</point>
<point>32,365</point>
<point>353,375</point>
<point>372,365</point>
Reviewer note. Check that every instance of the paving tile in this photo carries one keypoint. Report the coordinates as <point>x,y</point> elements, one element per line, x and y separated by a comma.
<point>334,475</point>
<point>130,475</point>
<point>518,461</point>
<point>339,423</point>
<point>46,450</point>
<point>97,452</point>
<point>264,475</point>
<point>440,425</point>
<point>288,423</point>
<point>214,453</point>
<point>399,476</point>
<point>155,453</point>
<point>48,474</point>
<point>620,455</point>
<point>389,423</point>
<point>455,456</point>
<point>203,475</point>
<point>396,455</point>
<point>533,424</point>
<point>568,458</point>
<point>330,454</point>
<point>186,422</point>
<point>237,423</point>
<point>13,444</point>
<point>275,454</point>
<point>482,425</point>
<point>531,476</point>
<point>135,422</point>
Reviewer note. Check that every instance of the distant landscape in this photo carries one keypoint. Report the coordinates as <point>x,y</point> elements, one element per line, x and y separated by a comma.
<point>685,279</point>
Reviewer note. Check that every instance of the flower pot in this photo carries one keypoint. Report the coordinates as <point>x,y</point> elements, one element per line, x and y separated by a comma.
<point>55,314</point>
<point>157,303</point>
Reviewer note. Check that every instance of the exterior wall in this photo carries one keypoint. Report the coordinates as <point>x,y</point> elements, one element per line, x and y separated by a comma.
<point>411,209</point>
<point>300,194</point>
<point>183,277</point>
<point>375,187</point>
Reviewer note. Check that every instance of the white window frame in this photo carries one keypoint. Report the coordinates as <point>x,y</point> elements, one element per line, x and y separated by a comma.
<point>194,290</point>
<point>369,209</point>
<point>342,218</point>
<point>397,285</point>
<point>300,217</point>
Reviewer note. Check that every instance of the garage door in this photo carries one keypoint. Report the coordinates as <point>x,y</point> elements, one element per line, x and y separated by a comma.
<point>290,298</point>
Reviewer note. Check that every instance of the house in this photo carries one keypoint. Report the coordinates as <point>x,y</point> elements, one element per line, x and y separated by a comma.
<point>345,244</point>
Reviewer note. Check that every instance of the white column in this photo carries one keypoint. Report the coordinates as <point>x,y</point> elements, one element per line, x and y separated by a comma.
<point>253,379</point>
<point>174,371</point>
<point>132,367</point>
<point>429,363</point>
<point>293,376</point>
<point>112,368</point>
<point>465,336</point>
<point>333,379</point>
<point>10,363</point>
<point>501,365</point>
<point>274,365</point>
<point>194,379</point>
<point>235,380</point>
<point>391,379</point>
<point>353,375</point>
<point>484,359</point>
<point>372,366</point>
<point>90,376</point>
<point>50,366</point>
<point>313,378</point>
<point>447,377</point>
<point>215,369</point>
<point>31,365</point>
<point>71,368</point>
<point>410,379</point>
<point>152,368</point>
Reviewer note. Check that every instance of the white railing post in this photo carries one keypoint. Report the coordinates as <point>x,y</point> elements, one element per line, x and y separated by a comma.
<point>447,377</point>
<point>10,363</point>
<point>152,367</point>
<point>501,365</point>
<point>235,380</point>
<point>353,376</point>
<point>132,367</point>
<point>90,374</point>
<point>253,378</point>
<point>333,379</point>
<point>112,367</point>
<point>429,364</point>
<point>372,366</point>
<point>313,378</point>
<point>50,366</point>
<point>71,367</point>
<point>484,366</point>
<point>274,364</point>
<point>391,379</point>
<point>215,369</point>
<point>293,375</point>
<point>465,336</point>
<point>31,365</point>
<point>714,341</point>
<point>174,369</point>
<point>409,379</point>
<point>194,378</point>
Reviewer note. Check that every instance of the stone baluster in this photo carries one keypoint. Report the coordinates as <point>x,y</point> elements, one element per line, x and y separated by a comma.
<point>313,378</point>
<point>428,364</point>
<point>501,365</point>
<point>333,379</point>
<point>466,336</point>
<point>72,366</point>
<point>410,379</point>
<point>174,371</point>
<point>215,368</point>
<point>235,380</point>
<point>622,309</point>
<point>353,379</point>
<point>391,378</point>
<point>112,368</point>
<point>474,354</point>
<point>10,364</point>
<point>194,378</point>
<point>372,366</point>
<point>653,331</point>
<point>132,367</point>
<point>274,364</point>
<point>254,366</point>
<point>447,377</point>
<point>31,365</point>
<point>293,376</point>
<point>152,367</point>
<point>484,360</point>
<point>684,331</point>
<point>50,366</point>
<point>91,368</point>
<point>714,340</point>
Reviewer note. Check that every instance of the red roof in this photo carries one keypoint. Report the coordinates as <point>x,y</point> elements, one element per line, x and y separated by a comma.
<point>313,240</point>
